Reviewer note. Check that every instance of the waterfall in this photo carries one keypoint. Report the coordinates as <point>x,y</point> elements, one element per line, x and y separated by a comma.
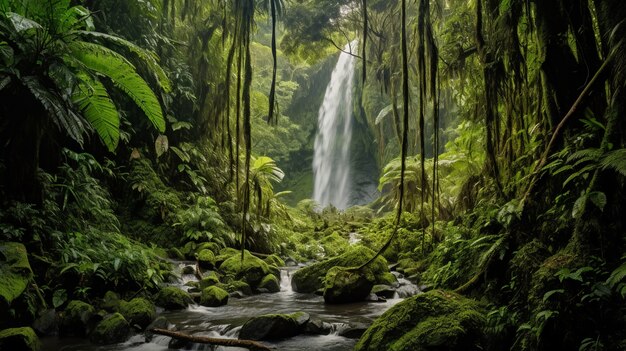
<point>331,158</point>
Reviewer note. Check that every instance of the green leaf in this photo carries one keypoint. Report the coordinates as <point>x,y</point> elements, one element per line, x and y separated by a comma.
<point>59,297</point>
<point>547,295</point>
<point>598,198</point>
<point>98,108</point>
<point>111,64</point>
<point>579,206</point>
<point>161,145</point>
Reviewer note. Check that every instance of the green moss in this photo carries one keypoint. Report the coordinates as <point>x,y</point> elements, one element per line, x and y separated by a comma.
<point>77,318</point>
<point>270,283</point>
<point>236,285</point>
<point>15,272</point>
<point>345,286</point>
<point>214,296</point>
<point>334,244</point>
<point>208,279</point>
<point>172,298</point>
<point>252,269</point>
<point>274,260</point>
<point>23,339</point>
<point>138,311</point>
<point>214,247</point>
<point>437,320</point>
<point>110,302</point>
<point>175,254</point>
<point>112,329</point>
<point>206,259</point>
<point>311,278</point>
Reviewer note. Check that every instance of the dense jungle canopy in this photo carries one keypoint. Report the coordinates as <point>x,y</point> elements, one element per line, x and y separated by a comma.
<point>313,174</point>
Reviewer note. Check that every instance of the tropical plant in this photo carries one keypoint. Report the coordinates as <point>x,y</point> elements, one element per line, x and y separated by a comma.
<point>53,66</point>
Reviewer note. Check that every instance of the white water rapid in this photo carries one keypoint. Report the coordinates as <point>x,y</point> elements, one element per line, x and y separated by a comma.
<point>331,158</point>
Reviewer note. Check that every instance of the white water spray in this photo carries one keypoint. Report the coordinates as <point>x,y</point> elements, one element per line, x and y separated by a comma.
<point>331,159</point>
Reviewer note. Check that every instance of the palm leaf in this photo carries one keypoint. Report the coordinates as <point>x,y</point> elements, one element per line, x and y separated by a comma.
<point>98,108</point>
<point>63,117</point>
<point>150,58</point>
<point>111,64</point>
<point>615,160</point>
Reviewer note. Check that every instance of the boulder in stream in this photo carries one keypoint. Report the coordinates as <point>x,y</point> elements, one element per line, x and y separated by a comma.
<point>172,298</point>
<point>436,320</point>
<point>252,269</point>
<point>345,286</point>
<point>206,259</point>
<point>138,311</point>
<point>274,260</point>
<point>23,339</point>
<point>111,330</point>
<point>269,284</point>
<point>214,296</point>
<point>78,319</point>
<point>47,323</point>
<point>208,279</point>
<point>274,326</point>
<point>311,278</point>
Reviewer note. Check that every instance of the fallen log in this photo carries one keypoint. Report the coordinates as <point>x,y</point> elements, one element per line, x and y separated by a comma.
<point>248,344</point>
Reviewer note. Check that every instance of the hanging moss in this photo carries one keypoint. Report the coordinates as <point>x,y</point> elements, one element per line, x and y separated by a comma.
<point>15,272</point>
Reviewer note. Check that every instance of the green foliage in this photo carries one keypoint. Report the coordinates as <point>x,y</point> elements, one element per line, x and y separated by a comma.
<point>201,222</point>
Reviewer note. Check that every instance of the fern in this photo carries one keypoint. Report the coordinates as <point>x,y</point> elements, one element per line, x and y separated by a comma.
<point>615,160</point>
<point>96,105</point>
<point>111,64</point>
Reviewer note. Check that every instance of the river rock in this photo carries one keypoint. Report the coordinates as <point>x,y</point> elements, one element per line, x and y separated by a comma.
<point>138,311</point>
<point>78,319</point>
<point>189,270</point>
<point>206,259</point>
<point>15,272</point>
<point>383,290</point>
<point>318,327</point>
<point>436,320</point>
<point>270,283</point>
<point>346,286</point>
<point>111,330</point>
<point>274,260</point>
<point>274,326</point>
<point>159,323</point>
<point>252,270</point>
<point>22,339</point>
<point>214,296</point>
<point>111,301</point>
<point>353,331</point>
<point>311,278</point>
<point>172,298</point>
<point>208,279</point>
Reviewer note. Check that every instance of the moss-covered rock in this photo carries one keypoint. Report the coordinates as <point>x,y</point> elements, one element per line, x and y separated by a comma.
<point>47,323</point>
<point>436,320</point>
<point>270,283</point>
<point>206,259</point>
<point>15,272</point>
<point>78,319</point>
<point>311,278</point>
<point>251,270</point>
<point>172,298</point>
<point>208,279</point>
<point>214,247</point>
<point>345,286</point>
<point>111,302</point>
<point>175,254</point>
<point>225,254</point>
<point>274,260</point>
<point>22,339</point>
<point>112,329</point>
<point>189,270</point>
<point>214,296</point>
<point>236,285</point>
<point>334,244</point>
<point>274,326</point>
<point>138,311</point>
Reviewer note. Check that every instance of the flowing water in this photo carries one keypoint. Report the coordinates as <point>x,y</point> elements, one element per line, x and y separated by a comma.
<point>226,321</point>
<point>331,158</point>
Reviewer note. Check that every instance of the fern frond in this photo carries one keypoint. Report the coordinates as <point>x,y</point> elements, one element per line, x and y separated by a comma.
<point>615,160</point>
<point>98,108</point>
<point>111,64</point>
<point>586,155</point>
<point>63,117</point>
<point>150,58</point>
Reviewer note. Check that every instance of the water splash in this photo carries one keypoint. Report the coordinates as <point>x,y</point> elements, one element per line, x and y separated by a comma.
<point>331,158</point>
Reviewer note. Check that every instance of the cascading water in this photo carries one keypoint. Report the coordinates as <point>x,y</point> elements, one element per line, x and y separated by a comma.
<point>331,158</point>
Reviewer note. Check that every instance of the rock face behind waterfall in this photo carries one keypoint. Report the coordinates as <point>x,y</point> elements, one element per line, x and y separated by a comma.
<point>436,320</point>
<point>311,278</point>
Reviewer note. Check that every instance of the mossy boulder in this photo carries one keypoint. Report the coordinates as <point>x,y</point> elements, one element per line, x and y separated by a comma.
<point>270,283</point>
<point>15,272</point>
<point>274,260</point>
<point>252,269</point>
<point>345,286</point>
<point>111,301</point>
<point>214,296</point>
<point>138,311</point>
<point>311,278</point>
<point>214,247</point>
<point>175,254</point>
<point>47,323</point>
<point>236,285</point>
<point>334,244</point>
<point>172,298</point>
<point>112,329</point>
<point>208,279</point>
<point>78,319</point>
<point>274,326</point>
<point>206,259</point>
<point>23,339</point>
<point>187,270</point>
<point>436,320</point>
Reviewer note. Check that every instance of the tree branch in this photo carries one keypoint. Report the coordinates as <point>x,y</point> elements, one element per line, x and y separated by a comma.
<point>248,344</point>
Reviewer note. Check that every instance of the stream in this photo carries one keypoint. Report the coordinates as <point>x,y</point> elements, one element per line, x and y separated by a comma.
<point>226,321</point>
